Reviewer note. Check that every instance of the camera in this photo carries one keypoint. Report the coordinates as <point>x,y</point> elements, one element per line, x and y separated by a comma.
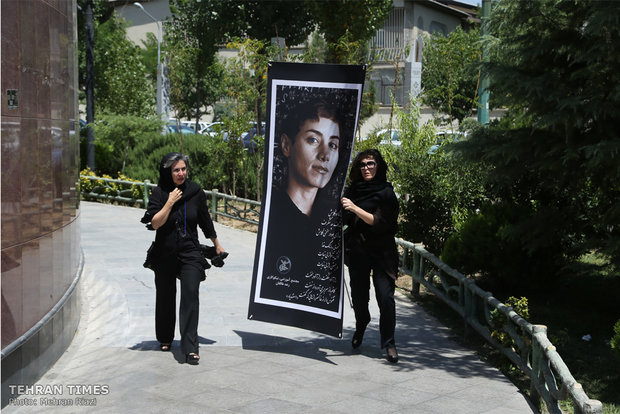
<point>210,253</point>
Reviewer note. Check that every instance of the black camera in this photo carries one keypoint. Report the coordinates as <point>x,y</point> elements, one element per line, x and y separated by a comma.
<point>210,253</point>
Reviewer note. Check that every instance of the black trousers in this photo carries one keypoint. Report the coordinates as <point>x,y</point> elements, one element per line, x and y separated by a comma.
<point>165,304</point>
<point>384,285</point>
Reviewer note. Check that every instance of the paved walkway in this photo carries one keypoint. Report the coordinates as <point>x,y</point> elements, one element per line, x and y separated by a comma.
<point>246,366</point>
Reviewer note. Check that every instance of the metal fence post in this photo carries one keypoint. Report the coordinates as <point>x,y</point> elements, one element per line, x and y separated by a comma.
<point>537,361</point>
<point>145,195</point>
<point>214,204</point>
<point>469,305</point>
<point>417,261</point>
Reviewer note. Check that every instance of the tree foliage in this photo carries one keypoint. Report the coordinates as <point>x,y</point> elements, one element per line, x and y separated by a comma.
<point>120,79</point>
<point>190,96</point>
<point>115,139</point>
<point>349,23</point>
<point>450,72</point>
<point>437,192</point>
<point>194,34</point>
<point>267,19</point>
<point>556,154</point>
<point>121,85</point>
<point>148,55</point>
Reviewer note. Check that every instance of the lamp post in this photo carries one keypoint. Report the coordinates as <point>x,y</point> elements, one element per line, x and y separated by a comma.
<point>483,93</point>
<point>90,85</point>
<point>159,65</point>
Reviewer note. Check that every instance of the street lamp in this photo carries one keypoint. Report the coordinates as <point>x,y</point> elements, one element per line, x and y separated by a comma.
<point>159,65</point>
<point>483,90</point>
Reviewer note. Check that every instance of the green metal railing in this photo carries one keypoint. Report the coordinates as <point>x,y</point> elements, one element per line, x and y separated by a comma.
<point>137,193</point>
<point>530,349</point>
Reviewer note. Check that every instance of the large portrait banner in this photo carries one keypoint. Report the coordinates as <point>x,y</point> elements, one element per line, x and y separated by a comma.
<point>312,114</point>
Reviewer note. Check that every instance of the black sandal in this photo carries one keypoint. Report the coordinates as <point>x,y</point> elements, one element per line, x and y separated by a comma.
<point>357,339</point>
<point>192,358</point>
<point>165,347</point>
<point>391,354</point>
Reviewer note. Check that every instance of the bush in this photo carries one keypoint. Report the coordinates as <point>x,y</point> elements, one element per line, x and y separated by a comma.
<point>210,161</point>
<point>484,245</point>
<point>86,185</point>
<point>143,161</point>
<point>615,340</point>
<point>437,192</point>
<point>115,138</point>
<point>499,321</point>
<point>100,186</point>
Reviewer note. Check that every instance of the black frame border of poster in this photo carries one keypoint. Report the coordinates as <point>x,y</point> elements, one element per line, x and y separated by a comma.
<point>310,72</point>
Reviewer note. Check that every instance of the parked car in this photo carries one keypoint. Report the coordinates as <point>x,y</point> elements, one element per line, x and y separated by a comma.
<point>212,128</point>
<point>192,125</point>
<point>389,137</point>
<point>248,142</point>
<point>445,136</point>
<point>173,128</point>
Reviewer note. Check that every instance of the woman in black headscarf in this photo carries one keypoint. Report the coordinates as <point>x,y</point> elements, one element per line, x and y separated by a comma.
<point>176,207</point>
<point>371,214</point>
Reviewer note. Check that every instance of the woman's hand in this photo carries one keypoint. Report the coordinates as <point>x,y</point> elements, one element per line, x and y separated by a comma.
<point>160,218</point>
<point>218,247</point>
<point>361,213</point>
<point>348,204</point>
<point>174,196</point>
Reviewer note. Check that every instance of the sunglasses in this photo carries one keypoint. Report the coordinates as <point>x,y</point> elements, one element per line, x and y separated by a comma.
<point>370,165</point>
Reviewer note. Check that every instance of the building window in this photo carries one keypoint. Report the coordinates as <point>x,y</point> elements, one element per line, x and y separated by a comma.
<point>437,27</point>
<point>388,42</point>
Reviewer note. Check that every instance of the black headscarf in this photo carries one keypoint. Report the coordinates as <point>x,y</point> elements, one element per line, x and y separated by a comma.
<point>166,184</point>
<point>358,186</point>
<point>165,170</point>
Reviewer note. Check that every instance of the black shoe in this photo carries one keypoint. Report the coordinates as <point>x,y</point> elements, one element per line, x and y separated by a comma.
<point>357,339</point>
<point>165,347</point>
<point>391,354</point>
<point>192,358</point>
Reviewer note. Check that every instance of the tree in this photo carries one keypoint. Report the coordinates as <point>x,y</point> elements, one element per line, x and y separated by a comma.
<point>554,64</point>
<point>148,57</point>
<point>437,192</point>
<point>121,85</point>
<point>189,95</point>
<point>286,19</point>
<point>450,72</point>
<point>102,12</point>
<point>346,23</point>
<point>194,33</point>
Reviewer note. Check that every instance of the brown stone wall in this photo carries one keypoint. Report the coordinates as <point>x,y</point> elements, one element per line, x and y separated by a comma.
<point>39,170</point>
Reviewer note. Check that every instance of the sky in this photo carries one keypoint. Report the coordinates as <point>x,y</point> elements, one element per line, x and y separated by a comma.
<point>474,2</point>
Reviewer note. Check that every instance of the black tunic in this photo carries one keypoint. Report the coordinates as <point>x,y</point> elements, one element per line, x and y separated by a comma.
<point>179,235</point>
<point>375,243</point>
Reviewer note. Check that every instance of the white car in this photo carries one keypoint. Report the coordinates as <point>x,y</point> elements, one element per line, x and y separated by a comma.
<point>212,128</point>
<point>389,137</point>
<point>192,124</point>
<point>448,136</point>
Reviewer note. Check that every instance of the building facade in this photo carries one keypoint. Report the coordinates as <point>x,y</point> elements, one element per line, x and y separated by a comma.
<point>396,49</point>
<point>40,244</point>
